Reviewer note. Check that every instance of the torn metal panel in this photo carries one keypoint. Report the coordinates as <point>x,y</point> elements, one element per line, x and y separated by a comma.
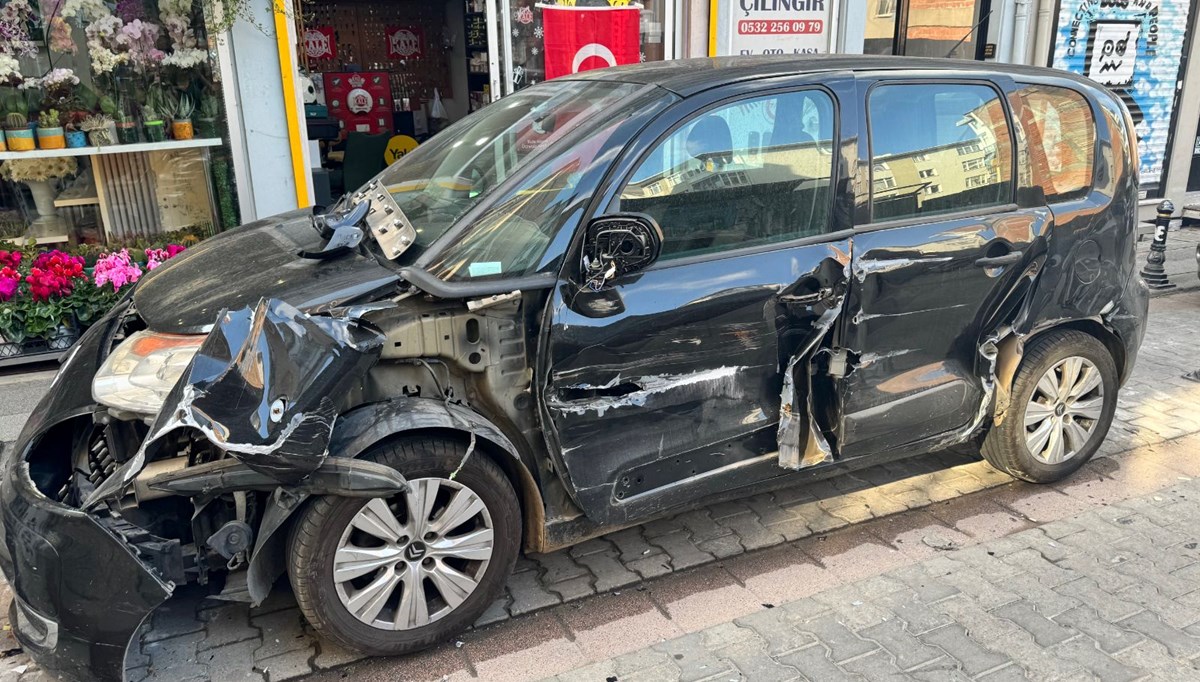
<point>261,389</point>
<point>792,425</point>
<point>635,392</point>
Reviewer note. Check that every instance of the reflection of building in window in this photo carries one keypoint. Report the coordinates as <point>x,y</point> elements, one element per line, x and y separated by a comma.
<point>885,8</point>
<point>974,164</point>
<point>933,189</point>
<point>927,173</point>
<point>1062,141</point>
<point>880,167</point>
<point>979,180</point>
<point>968,148</point>
<point>883,184</point>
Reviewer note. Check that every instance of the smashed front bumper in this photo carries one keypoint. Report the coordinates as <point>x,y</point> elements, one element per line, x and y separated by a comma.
<point>80,592</point>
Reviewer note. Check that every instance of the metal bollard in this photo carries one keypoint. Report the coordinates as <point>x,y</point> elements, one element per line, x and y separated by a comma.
<point>1154,273</point>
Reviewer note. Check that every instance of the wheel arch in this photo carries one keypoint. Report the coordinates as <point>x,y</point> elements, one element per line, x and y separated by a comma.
<point>1010,353</point>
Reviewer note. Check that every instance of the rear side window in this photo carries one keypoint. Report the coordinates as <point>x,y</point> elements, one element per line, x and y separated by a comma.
<point>937,148</point>
<point>1062,140</point>
<point>744,174</point>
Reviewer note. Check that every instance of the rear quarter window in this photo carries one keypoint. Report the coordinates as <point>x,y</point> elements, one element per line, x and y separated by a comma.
<point>1062,140</point>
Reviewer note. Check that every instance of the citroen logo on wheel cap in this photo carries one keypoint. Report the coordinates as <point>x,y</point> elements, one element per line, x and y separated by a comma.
<point>414,552</point>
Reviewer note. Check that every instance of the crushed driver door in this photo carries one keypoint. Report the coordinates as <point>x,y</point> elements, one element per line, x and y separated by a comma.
<point>676,382</point>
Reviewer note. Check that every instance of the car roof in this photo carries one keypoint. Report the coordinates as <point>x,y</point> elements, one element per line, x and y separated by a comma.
<point>689,76</point>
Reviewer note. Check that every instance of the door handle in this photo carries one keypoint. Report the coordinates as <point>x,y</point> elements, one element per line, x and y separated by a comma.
<point>806,299</point>
<point>1000,261</point>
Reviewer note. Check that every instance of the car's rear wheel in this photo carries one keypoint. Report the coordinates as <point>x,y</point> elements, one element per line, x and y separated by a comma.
<point>394,575</point>
<point>1062,403</point>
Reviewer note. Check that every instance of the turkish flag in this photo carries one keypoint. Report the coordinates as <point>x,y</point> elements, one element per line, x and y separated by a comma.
<point>584,38</point>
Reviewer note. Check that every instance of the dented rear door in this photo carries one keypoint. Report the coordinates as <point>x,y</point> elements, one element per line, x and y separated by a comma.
<point>669,384</point>
<point>945,246</point>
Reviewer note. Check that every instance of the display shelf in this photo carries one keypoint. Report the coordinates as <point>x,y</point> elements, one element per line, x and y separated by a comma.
<point>77,196</point>
<point>114,149</point>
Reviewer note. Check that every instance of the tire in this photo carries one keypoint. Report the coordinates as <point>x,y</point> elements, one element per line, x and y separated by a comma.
<point>325,524</point>
<point>1084,419</point>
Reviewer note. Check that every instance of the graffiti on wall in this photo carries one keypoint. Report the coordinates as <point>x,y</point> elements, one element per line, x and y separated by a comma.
<point>1134,47</point>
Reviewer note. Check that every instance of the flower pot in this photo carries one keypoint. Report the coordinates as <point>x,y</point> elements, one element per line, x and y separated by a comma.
<point>206,127</point>
<point>182,129</point>
<point>156,131</point>
<point>3,146</point>
<point>20,140</point>
<point>76,139</point>
<point>127,133</point>
<point>43,196</point>
<point>51,138</point>
<point>102,137</point>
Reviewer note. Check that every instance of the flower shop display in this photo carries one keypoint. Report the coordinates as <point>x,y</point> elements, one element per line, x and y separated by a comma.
<point>38,175</point>
<point>17,133</point>
<point>206,117</point>
<point>49,131</point>
<point>48,298</point>
<point>156,129</point>
<point>99,129</point>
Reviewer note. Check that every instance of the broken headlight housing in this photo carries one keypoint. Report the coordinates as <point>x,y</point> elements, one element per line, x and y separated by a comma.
<point>139,373</point>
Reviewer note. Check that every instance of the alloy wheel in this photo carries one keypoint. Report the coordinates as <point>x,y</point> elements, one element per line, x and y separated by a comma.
<point>1064,410</point>
<point>407,561</point>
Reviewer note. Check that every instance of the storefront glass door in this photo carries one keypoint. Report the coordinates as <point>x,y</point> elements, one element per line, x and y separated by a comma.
<point>522,28</point>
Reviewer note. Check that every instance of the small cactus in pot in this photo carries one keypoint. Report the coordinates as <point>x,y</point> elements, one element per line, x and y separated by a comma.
<point>18,134</point>
<point>49,130</point>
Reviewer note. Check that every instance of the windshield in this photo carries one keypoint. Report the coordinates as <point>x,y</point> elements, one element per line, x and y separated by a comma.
<point>441,180</point>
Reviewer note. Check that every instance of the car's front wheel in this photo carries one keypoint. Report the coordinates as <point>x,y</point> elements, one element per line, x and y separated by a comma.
<point>389,576</point>
<point>1062,403</point>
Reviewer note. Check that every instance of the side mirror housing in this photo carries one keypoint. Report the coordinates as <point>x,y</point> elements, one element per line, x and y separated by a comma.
<point>617,245</point>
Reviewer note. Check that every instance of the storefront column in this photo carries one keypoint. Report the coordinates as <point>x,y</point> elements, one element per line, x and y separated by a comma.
<point>1187,127</point>
<point>264,118</point>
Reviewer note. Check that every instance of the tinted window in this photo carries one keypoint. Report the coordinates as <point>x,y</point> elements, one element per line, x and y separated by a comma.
<point>1062,140</point>
<point>749,173</point>
<point>938,148</point>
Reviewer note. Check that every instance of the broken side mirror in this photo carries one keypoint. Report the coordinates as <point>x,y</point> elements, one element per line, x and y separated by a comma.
<point>617,245</point>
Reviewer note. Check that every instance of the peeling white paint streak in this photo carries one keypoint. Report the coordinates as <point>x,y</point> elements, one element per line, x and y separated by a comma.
<point>714,382</point>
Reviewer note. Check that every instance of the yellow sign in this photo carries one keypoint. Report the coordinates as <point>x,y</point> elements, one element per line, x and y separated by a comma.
<point>397,147</point>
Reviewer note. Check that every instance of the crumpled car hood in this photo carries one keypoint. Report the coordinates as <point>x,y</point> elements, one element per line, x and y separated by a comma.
<point>262,388</point>
<point>235,269</point>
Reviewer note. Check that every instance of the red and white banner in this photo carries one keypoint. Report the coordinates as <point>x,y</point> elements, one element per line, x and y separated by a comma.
<point>584,38</point>
<point>320,43</point>
<point>405,42</point>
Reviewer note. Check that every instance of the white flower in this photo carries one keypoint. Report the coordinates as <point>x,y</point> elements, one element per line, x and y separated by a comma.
<point>85,10</point>
<point>10,68</point>
<point>185,58</point>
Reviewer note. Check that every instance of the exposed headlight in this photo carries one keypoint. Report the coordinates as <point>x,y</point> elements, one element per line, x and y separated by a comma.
<point>139,373</point>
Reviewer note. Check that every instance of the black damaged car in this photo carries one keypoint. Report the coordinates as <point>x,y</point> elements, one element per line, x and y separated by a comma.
<point>604,298</point>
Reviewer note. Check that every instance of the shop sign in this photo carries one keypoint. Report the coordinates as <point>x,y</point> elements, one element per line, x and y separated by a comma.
<point>1135,48</point>
<point>751,27</point>
<point>405,42</point>
<point>319,43</point>
<point>584,38</point>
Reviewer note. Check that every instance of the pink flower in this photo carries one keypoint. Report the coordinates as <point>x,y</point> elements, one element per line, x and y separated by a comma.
<point>156,257</point>
<point>11,259</point>
<point>10,279</point>
<point>174,250</point>
<point>117,269</point>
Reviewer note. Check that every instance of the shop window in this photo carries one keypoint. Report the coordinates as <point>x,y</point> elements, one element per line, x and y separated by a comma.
<point>524,34</point>
<point>1062,140</point>
<point>112,146</point>
<point>926,28</point>
<point>953,128</point>
<point>754,172</point>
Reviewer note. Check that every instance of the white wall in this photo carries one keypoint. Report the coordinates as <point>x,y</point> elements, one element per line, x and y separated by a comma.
<point>264,161</point>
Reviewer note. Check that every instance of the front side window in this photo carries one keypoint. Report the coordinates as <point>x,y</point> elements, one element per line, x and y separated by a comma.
<point>749,173</point>
<point>959,135</point>
<point>1062,140</point>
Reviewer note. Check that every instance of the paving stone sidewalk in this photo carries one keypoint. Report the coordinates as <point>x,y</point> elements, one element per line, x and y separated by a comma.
<point>1112,594</point>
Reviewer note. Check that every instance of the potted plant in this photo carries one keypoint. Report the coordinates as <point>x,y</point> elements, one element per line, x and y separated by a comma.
<point>18,133</point>
<point>156,128</point>
<point>38,174</point>
<point>181,117</point>
<point>99,129</point>
<point>49,131</point>
<point>76,136</point>
<point>206,117</point>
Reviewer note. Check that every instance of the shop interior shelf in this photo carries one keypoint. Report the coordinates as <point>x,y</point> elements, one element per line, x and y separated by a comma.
<point>113,149</point>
